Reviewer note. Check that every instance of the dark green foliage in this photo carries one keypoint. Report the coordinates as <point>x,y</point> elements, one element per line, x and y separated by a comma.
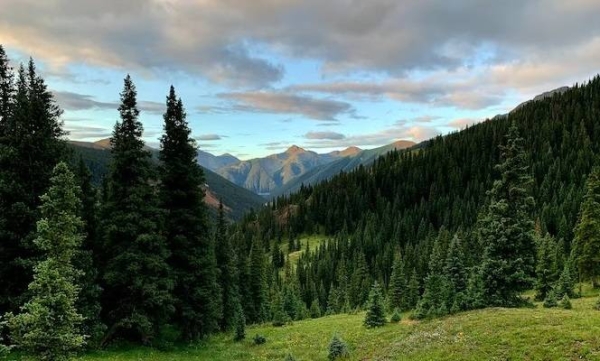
<point>280,317</point>
<point>437,287</point>
<point>31,144</point>
<point>397,290</point>
<point>48,324</point>
<point>259,339</point>
<point>565,303</point>
<point>413,290</point>
<point>338,348</point>
<point>396,316</point>
<point>375,316</point>
<point>289,357</point>
<point>586,244</point>
<point>566,284</point>
<point>506,228</point>
<point>456,276</point>
<point>315,309</point>
<point>597,304</point>
<point>88,303</point>
<point>192,261</point>
<point>228,273</point>
<point>475,295</point>
<point>137,299</point>
<point>239,324</point>
<point>550,301</point>
<point>258,285</point>
<point>544,271</point>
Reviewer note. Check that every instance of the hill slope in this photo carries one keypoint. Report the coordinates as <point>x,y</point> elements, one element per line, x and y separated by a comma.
<point>236,200</point>
<point>491,334</point>
<point>344,164</point>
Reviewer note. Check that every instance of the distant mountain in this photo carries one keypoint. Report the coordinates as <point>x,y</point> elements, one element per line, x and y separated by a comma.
<point>236,200</point>
<point>215,162</point>
<point>264,175</point>
<point>538,97</point>
<point>355,159</point>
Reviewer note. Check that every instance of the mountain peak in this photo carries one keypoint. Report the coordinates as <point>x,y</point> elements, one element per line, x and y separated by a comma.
<point>402,144</point>
<point>350,151</point>
<point>295,149</point>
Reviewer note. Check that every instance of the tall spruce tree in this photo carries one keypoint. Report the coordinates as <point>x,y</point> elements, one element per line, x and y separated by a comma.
<point>586,244</point>
<point>192,259</point>
<point>137,299</point>
<point>375,316</point>
<point>457,277</point>
<point>507,228</point>
<point>228,274</point>
<point>257,284</point>
<point>31,144</point>
<point>543,270</point>
<point>48,325</point>
<point>88,303</point>
<point>397,292</point>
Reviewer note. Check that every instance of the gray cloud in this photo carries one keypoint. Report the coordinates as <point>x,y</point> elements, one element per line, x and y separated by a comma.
<point>207,137</point>
<point>324,135</point>
<point>74,101</point>
<point>83,132</point>
<point>286,103</point>
<point>220,39</point>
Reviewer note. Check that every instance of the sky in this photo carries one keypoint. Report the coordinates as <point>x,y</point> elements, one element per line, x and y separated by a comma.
<point>257,76</point>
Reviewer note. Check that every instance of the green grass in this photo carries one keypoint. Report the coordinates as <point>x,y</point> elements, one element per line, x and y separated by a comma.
<point>313,242</point>
<point>491,334</point>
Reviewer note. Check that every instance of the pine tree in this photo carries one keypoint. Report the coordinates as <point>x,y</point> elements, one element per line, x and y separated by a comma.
<point>413,290</point>
<point>544,281</point>
<point>338,348</point>
<point>436,293</point>
<point>375,316</point>
<point>31,144</point>
<point>88,303</point>
<point>48,325</point>
<point>565,285</point>
<point>193,259</point>
<point>239,324</point>
<point>586,244</point>
<point>507,229</point>
<point>137,299</point>
<point>258,284</point>
<point>455,273</point>
<point>228,275</point>
<point>315,309</point>
<point>397,289</point>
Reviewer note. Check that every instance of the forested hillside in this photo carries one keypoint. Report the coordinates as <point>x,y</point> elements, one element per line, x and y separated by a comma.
<point>385,219</point>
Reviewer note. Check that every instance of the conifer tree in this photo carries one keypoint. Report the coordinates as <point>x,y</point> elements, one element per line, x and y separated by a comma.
<point>566,284</point>
<point>88,303</point>
<point>544,281</point>
<point>436,292</point>
<point>48,325</point>
<point>258,284</point>
<point>586,244</point>
<point>193,261</point>
<point>507,228</point>
<point>137,299</point>
<point>375,316</point>
<point>397,290</point>
<point>455,273</point>
<point>413,290</point>
<point>228,273</point>
<point>31,144</point>
<point>315,309</point>
<point>239,323</point>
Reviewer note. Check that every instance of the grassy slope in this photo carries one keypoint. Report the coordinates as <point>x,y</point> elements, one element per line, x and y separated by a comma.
<point>491,334</point>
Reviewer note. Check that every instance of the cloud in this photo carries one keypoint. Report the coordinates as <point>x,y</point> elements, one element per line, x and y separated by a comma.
<point>83,132</point>
<point>73,101</point>
<point>386,136</point>
<point>207,137</point>
<point>221,39</point>
<point>286,103</point>
<point>324,135</point>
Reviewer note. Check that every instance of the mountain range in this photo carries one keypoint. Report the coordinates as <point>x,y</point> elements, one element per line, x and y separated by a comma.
<point>284,172</point>
<point>236,200</point>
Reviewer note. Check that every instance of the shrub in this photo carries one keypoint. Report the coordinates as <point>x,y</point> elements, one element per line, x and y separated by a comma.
<point>259,339</point>
<point>289,357</point>
<point>565,302</point>
<point>338,348</point>
<point>550,300</point>
<point>396,316</point>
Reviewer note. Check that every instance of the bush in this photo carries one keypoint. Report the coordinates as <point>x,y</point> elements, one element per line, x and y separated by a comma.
<point>396,316</point>
<point>565,302</point>
<point>550,300</point>
<point>338,348</point>
<point>597,304</point>
<point>289,357</point>
<point>259,339</point>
